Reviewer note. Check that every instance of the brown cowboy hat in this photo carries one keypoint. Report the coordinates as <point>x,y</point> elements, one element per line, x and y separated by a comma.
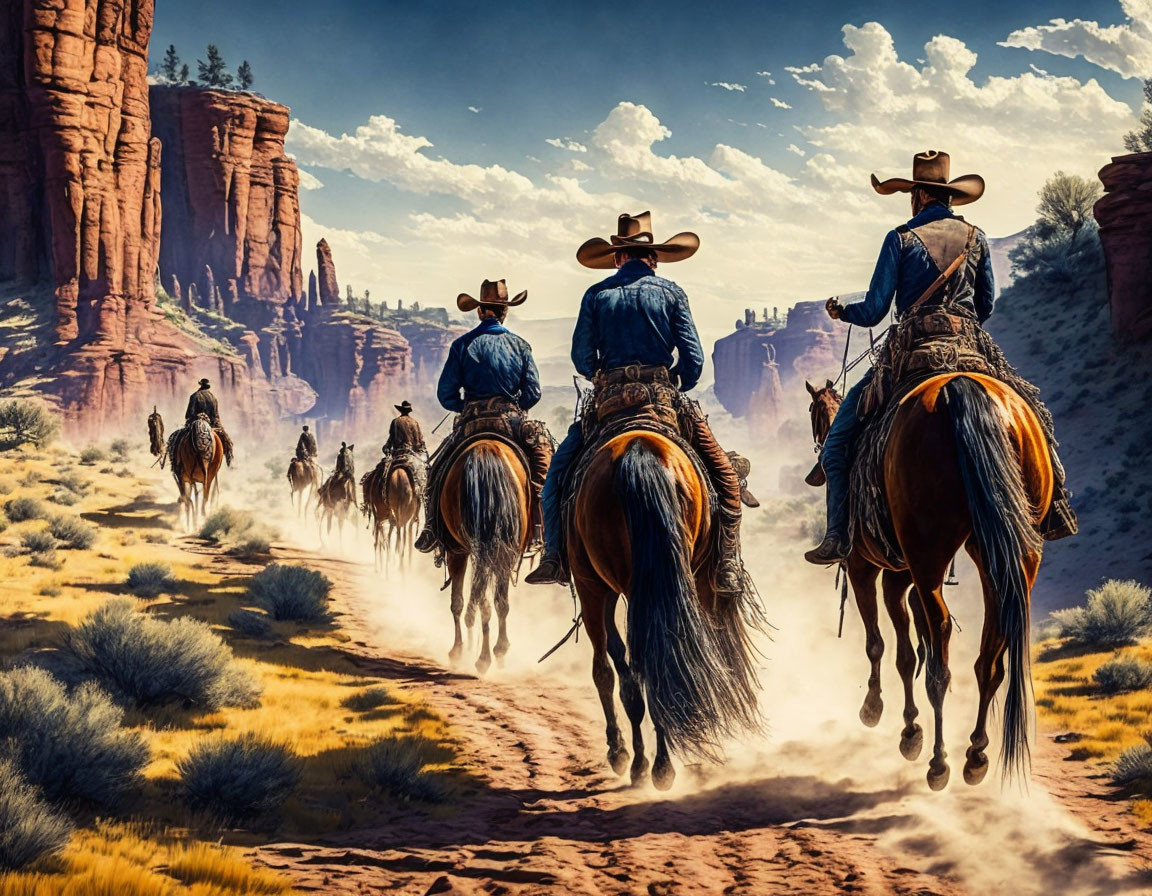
<point>636,231</point>
<point>491,293</point>
<point>930,169</point>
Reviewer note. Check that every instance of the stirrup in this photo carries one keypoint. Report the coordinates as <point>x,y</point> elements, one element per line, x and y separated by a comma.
<point>549,572</point>
<point>831,550</point>
<point>426,543</point>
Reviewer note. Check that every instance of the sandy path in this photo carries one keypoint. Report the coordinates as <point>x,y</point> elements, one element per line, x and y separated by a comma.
<point>822,808</point>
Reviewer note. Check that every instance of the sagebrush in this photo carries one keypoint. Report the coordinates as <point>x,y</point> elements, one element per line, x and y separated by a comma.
<point>1125,673</point>
<point>291,592</point>
<point>69,744</point>
<point>29,827</point>
<point>151,661</point>
<point>72,532</point>
<point>23,421</point>
<point>150,579</point>
<point>395,765</point>
<point>238,530</point>
<point>18,510</point>
<point>1117,613</point>
<point>237,779</point>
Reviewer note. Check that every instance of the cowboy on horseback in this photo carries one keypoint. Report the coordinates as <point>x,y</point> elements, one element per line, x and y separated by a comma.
<point>490,380</point>
<point>345,465</point>
<point>938,270</point>
<point>404,446</point>
<point>202,401</point>
<point>627,332</point>
<point>306,447</point>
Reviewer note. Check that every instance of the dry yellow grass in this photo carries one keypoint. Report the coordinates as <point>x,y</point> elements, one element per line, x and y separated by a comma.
<point>1067,700</point>
<point>126,860</point>
<point>305,676</point>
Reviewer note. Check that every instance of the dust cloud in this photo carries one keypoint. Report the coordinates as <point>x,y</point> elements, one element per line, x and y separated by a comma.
<point>815,758</point>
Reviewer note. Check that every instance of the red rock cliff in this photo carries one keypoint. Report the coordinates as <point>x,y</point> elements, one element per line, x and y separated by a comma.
<point>230,194</point>
<point>1124,214</point>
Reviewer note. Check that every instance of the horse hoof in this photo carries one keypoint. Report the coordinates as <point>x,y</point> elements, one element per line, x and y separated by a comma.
<point>938,775</point>
<point>639,771</point>
<point>975,768</point>
<point>872,709</point>
<point>911,742</point>
<point>483,664</point>
<point>619,759</point>
<point>663,775</point>
<point>454,655</point>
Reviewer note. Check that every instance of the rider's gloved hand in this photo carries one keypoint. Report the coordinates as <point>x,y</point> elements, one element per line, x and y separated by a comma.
<point>833,307</point>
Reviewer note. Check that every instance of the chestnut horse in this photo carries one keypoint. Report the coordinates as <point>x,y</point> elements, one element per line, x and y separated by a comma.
<point>966,465</point>
<point>395,504</point>
<point>196,454</point>
<point>484,504</point>
<point>303,475</point>
<point>642,528</point>
<point>336,501</point>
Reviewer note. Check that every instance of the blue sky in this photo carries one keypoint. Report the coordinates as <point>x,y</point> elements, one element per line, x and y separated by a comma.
<point>561,72</point>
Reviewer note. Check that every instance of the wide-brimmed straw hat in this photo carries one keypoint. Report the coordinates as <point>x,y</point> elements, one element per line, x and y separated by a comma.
<point>491,293</point>
<point>635,231</point>
<point>930,169</point>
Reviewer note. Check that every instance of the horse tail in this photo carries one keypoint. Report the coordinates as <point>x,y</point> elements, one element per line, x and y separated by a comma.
<point>1003,529</point>
<point>693,694</point>
<point>491,513</point>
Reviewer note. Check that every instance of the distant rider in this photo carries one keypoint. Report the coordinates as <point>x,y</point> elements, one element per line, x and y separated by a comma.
<point>202,401</point>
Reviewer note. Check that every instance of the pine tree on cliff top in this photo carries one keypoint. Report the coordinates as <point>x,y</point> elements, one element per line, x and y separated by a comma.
<point>1140,140</point>
<point>214,72</point>
<point>244,75</point>
<point>170,67</point>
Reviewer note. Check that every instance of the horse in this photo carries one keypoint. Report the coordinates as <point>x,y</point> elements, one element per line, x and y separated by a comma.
<point>641,527</point>
<point>403,512</point>
<point>966,465</point>
<point>485,503</point>
<point>337,501</point>
<point>196,453</point>
<point>155,432</point>
<point>303,475</point>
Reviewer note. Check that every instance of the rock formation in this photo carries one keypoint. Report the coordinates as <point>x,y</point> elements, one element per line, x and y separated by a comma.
<point>329,289</point>
<point>230,192</point>
<point>1124,214</point>
<point>760,366</point>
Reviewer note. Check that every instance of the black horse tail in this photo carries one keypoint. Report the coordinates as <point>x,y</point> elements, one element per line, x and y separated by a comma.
<point>491,514</point>
<point>1004,532</point>
<point>694,694</point>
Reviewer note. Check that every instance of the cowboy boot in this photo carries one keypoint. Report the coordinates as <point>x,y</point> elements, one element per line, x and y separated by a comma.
<point>551,571</point>
<point>833,549</point>
<point>1060,520</point>
<point>426,542</point>
<point>815,477</point>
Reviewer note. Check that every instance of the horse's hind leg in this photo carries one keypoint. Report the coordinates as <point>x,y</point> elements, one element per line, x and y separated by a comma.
<point>663,772</point>
<point>597,602</point>
<point>630,694</point>
<point>896,585</point>
<point>929,579</point>
<point>480,599</point>
<point>863,575</point>
<point>457,569</point>
<point>501,601</point>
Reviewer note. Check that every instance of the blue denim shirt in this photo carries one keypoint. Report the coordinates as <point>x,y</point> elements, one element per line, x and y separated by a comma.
<point>904,274</point>
<point>635,317</point>
<point>490,360</point>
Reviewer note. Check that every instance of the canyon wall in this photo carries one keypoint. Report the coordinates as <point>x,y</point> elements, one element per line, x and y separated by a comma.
<point>1124,214</point>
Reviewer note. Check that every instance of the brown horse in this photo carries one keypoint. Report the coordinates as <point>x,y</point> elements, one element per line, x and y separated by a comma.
<point>484,503</point>
<point>337,501</point>
<point>642,528</point>
<point>303,475</point>
<point>196,453</point>
<point>966,465</point>
<point>393,510</point>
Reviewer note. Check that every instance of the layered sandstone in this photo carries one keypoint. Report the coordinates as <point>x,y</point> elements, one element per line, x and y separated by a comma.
<point>329,289</point>
<point>230,194</point>
<point>1124,214</point>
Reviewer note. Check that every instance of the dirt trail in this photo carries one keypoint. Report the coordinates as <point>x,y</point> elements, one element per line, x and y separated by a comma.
<point>810,814</point>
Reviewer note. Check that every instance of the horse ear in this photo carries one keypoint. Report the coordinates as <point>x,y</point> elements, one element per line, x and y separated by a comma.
<point>828,384</point>
<point>811,388</point>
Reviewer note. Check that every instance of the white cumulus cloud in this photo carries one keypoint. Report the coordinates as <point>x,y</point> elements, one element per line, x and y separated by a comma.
<point>779,104</point>
<point>727,85</point>
<point>309,181</point>
<point>1124,49</point>
<point>565,143</point>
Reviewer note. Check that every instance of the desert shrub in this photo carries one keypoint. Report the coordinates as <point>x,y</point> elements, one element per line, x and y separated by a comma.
<point>23,421</point>
<point>151,661</point>
<point>64,497</point>
<point>372,698</point>
<point>92,454</point>
<point>237,779</point>
<point>1125,673</point>
<point>69,744</point>
<point>7,486</point>
<point>1134,766</point>
<point>20,509</point>
<point>31,478</point>
<point>250,623</point>
<point>38,542</point>
<point>239,530</point>
<point>29,827</point>
<point>1117,613</point>
<point>149,579</point>
<point>291,592</point>
<point>72,532</point>
<point>50,591</point>
<point>120,449</point>
<point>74,483</point>
<point>395,765</point>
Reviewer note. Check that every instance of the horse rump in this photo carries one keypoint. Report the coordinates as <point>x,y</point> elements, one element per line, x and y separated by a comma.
<point>1004,531</point>
<point>490,514</point>
<point>696,693</point>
